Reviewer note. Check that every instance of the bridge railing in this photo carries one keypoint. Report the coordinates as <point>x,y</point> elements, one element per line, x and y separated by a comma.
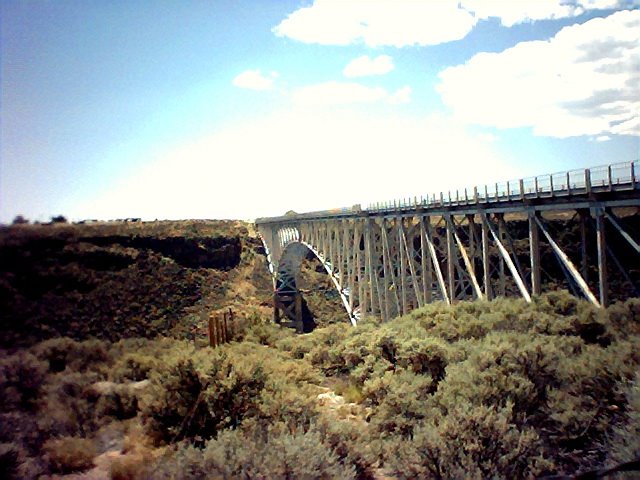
<point>607,178</point>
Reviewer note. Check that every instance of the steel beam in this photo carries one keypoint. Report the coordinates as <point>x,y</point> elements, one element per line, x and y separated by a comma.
<point>507,259</point>
<point>568,264</point>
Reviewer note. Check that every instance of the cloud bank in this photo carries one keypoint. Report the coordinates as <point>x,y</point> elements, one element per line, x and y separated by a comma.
<point>365,66</point>
<point>402,23</point>
<point>254,80</point>
<point>583,81</point>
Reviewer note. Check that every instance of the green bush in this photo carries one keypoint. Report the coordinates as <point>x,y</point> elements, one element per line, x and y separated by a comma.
<point>186,400</point>
<point>624,441</point>
<point>121,402</point>
<point>65,353</point>
<point>258,453</point>
<point>69,454</point>
<point>67,406</point>
<point>475,442</point>
<point>21,379</point>
<point>9,461</point>
<point>133,367</point>
<point>398,399</point>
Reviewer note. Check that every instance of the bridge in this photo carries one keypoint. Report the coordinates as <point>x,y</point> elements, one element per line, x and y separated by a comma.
<point>577,230</point>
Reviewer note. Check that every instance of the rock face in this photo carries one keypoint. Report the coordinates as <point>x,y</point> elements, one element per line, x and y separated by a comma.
<point>66,282</point>
<point>221,253</point>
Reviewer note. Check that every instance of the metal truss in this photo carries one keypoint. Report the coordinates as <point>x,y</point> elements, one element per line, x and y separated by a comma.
<point>387,261</point>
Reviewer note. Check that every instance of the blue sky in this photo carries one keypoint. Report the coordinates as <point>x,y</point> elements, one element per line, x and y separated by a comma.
<point>240,109</point>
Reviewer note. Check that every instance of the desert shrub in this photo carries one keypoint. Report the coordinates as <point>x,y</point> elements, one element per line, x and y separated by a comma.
<point>64,352</point>
<point>258,453</point>
<point>474,442</point>
<point>624,441</point>
<point>350,391</point>
<point>69,454</point>
<point>189,400</point>
<point>9,461</point>
<point>121,402</point>
<point>291,405</point>
<point>624,318</point>
<point>297,345</point>
<point>128,467</point>
<point>266,334</point>
<point>559,302</point>
<point>133,367</point>
<point>505,367</point>
<point>67,405</point>
<point>579,410</point>
<point>398,399</point>
<point>21,379</point>
<point>349,441</point>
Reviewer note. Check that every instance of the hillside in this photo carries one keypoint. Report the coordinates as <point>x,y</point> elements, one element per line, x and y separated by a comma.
<point>105,369</point>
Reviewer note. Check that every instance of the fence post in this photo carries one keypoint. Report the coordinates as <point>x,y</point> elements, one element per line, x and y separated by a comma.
<point>212,334</point>
<point>298,309</point>
<point>276,310</point>
<point>587,180</point>
<point>225,336</point>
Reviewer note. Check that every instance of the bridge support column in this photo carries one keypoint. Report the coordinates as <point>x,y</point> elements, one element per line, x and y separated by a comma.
<point>425,264</point>
<point>276,309</point>
<point>534,251</point>
<point>451,271</point>
<point>503,277</point>
<point>486,259</point>
<point>583,215</point>
<point>602,258</point>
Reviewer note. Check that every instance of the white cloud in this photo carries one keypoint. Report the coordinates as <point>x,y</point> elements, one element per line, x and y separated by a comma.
<point>365,66</point>
<point>401,23</point>
<point>603,138</point>
<point>402,95</point>
<point>583,81</point>
<point>338,93</point>
<point>255,80</point>
<point>329,94</point>
<point>302,161</point>
<point>514,12</point>
<point>397,23</point>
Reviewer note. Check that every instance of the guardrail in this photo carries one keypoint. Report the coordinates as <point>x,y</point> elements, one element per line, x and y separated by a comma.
<point>607,178</point>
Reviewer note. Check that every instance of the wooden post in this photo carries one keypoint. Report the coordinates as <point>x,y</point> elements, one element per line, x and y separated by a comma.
<point>225,326</point>
<point>534,251</point>
<point>212,338</point>
<point>276,310</point>
<point>298,307</point>
<point>602,258</point>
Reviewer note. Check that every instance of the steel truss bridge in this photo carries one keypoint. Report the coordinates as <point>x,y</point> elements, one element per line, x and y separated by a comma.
<point>578,230</point>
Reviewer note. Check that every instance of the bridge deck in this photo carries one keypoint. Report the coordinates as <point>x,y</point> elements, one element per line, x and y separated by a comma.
<point>616,185</point>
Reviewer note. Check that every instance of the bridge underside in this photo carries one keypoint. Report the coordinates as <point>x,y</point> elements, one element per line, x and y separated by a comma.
<point>386,262</point>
